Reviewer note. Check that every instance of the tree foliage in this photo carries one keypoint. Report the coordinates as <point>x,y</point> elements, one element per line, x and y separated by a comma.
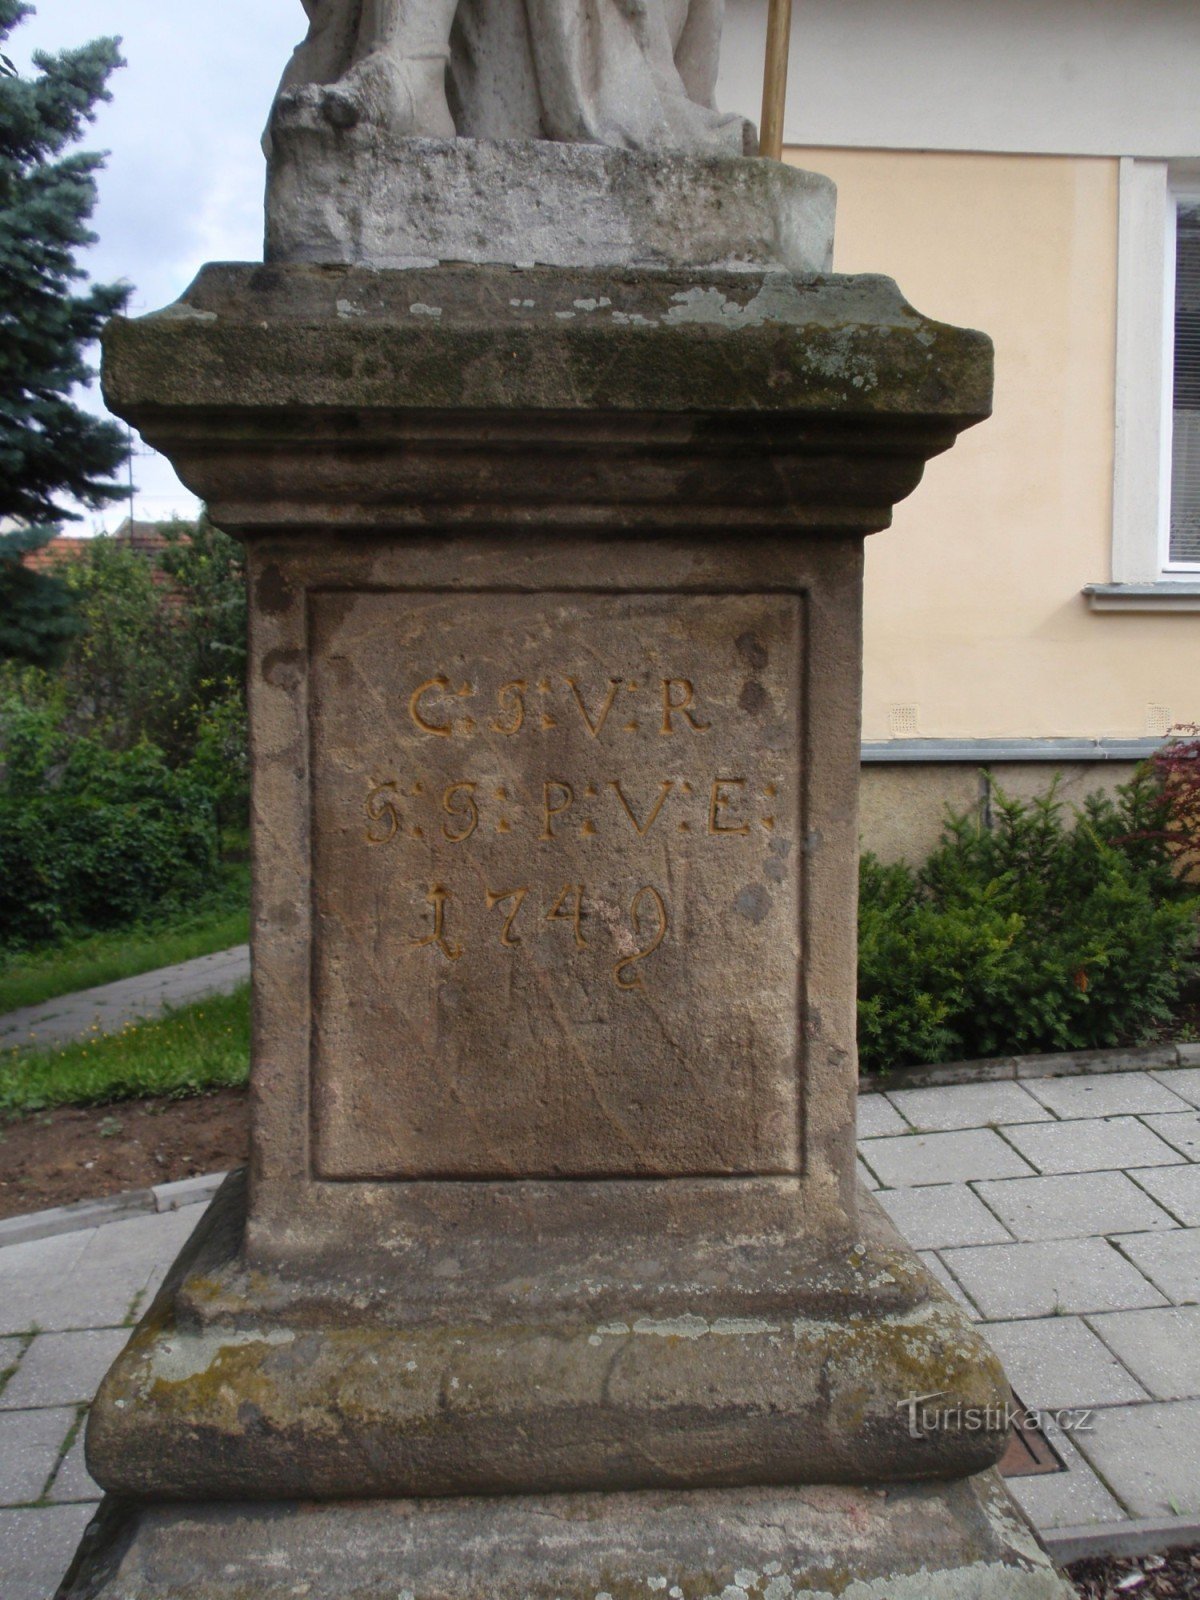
<point>162,649</point>
<point>49,447</point>
<point>119,766</point>
<point>37,615</point>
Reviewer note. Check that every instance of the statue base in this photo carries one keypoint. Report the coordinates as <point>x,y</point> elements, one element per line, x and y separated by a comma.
<point>538,1366</point>
<point>553,1221</point>
<point>959,1541</point>
<point>360,195</point>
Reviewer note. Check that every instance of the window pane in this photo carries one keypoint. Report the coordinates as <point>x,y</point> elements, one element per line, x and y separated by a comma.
<point>1185,454</point>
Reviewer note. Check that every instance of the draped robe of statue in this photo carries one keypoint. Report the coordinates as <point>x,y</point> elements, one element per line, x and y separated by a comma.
<point>637,74</point>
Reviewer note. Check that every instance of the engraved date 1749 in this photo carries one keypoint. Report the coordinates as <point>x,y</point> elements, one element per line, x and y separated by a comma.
<point>648,917</point>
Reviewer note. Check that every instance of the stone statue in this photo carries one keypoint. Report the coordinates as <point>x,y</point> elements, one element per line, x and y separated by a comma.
<point>634,74</point>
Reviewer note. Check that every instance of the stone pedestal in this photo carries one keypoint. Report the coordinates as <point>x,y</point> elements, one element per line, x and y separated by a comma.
<point>551,1277</point>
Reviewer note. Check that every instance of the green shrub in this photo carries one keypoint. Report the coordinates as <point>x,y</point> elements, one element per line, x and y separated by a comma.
<point>92,837</point>
<point>1028,935</point>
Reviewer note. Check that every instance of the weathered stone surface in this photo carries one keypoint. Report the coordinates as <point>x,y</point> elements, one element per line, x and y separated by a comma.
<point>509,401</point>
<point>552,1185</point>
<point>600,71</point>
<point>466,1367</point>
<point>710,1108</point>
<point>557,919</point>
<point>364,198</point>
<point>962,1541</point>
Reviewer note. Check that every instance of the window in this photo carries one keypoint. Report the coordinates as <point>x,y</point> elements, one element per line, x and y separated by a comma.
<point>1156,459</point>
<point>1183,530</point>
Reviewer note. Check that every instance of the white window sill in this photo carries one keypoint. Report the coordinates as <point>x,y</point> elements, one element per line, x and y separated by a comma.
<point>1169,595</point>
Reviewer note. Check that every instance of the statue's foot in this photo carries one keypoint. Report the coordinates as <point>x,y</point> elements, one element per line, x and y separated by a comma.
<point>405,95</point>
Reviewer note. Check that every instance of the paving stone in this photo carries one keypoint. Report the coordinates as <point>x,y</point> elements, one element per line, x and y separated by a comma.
<point>83,1300</point>
<point>1072,1499</point>
<point>946,1214</point>
<point>867,1176</point>
<point>151,1240</point>
<point>1160,1348</point>
<point>10,1354</point>
<point>122,1267</point>
<point>945,1277</point>
<point>1149,1456</point>
<point>1074,1206</point>
<point>1058,1363</point>
<point>967,1105</point>
<point>37,1547</point>
<point>1183,1081</point>
<point>877,1117</point>
<point>1169,1260</point>
<point>1183,1132</point>
<point>72,1481</point>
<point>1050,1277</point>
<point>30,1442</point>
<point>1089,1145</point>
<point>34,1273</point>
<point>920,1158</point>
<point>90,1279</point>
<point>1106,1095</point>
<point>1176,1188</point>
<point>62,1369</point>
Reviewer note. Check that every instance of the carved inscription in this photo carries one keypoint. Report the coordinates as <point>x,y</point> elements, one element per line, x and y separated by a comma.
<point>558,893</point>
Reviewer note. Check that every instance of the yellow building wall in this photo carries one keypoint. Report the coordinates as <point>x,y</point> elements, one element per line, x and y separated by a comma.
<point>973,607</point>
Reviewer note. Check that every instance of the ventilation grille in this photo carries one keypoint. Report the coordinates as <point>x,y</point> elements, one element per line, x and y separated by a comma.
<point>1185,449</point>
<point>902,722</point>
<point>1158,721</point>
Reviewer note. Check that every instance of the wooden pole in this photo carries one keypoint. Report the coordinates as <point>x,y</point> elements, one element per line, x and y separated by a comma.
<point>779,34</point>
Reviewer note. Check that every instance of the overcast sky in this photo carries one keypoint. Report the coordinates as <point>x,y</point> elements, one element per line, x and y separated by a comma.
<point>184,179</point>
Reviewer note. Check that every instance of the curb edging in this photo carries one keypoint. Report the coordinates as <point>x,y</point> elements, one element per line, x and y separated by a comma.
<point>1141,1536</point>
<point>1067,1064</point>
<point>113,1208</point>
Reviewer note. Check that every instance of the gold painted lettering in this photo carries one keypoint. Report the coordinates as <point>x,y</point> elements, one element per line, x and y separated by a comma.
<point>437,898</point>
<point>382,810</point>
<point>635,914</point>
<point>573,916</point>
<point>563,797</point>
<point>642,829</point>
<point>517,896</point>
<point>679,708</point>
<point>513,693</point>
<point>464,812</point>
<point>443,730</point>
<point>720,802</point>
<point>596,728</point>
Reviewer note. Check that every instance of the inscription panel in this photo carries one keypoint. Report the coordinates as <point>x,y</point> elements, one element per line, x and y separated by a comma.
<point>557,884</point>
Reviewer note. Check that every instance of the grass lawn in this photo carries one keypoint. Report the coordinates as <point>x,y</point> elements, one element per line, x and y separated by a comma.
<point>197,1048</point>
<point>219,920</point>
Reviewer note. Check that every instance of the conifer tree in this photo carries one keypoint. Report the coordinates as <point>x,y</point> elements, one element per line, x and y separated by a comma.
<point>50,449</point>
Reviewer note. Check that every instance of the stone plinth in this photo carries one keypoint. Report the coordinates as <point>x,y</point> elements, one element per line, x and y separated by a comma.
<point>362,196</point>
<point>555,656</point>
<point>918,1542</point>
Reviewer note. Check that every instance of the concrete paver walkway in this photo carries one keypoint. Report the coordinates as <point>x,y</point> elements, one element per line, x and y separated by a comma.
<point>107,1008</point>
<point>1063,1213</point>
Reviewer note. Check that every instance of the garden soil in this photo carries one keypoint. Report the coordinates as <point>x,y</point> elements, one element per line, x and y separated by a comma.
<point>54,1158</point>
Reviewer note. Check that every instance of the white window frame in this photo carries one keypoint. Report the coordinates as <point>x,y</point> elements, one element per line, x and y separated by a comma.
<point>1143,577</point>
